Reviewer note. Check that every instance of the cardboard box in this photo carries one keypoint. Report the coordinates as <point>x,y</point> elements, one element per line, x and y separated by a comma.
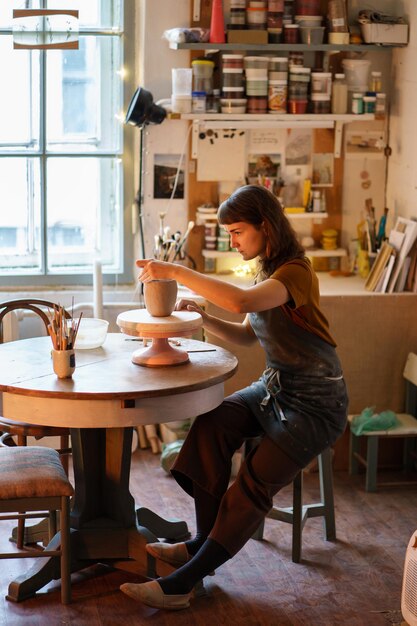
<point>247,36</point>
<point>385,33</point>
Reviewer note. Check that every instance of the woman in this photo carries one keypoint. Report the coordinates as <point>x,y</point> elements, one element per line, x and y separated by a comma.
<point>297,408</point>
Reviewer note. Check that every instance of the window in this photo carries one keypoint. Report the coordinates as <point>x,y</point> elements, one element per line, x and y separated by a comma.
<point>61,149</point>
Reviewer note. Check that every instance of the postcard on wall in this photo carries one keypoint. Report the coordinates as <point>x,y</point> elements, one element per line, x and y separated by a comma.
<point>221,155</point>
<point>263,167</point>
<point>267,140</point>
<point>322,169</point>
<point>299,146</point>
<point>165,174</point>
<point>367,142</point>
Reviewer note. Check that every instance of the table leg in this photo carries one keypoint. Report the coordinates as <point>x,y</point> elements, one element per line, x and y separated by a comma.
<point>105,526</point>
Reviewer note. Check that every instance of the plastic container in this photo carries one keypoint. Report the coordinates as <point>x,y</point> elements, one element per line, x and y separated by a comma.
<point>275,35</point>
<point>339,95</point>
<point>256,17</point>
<point>277,75</point>
<point>357,104</point>
<point>357,72</point>
<point>182,78</point>
<point>181,104</point>
<point>257,104</point>
<point>256,73</point>
<point>237,18</point>
<point>297,107</point>
<point>369,104</point>
<point>233,93</point>
<point>312,35</point>
<point>278,64</point>
<point>375,83</point>
<point>232,61</point>
<point>291,33</point>
<point>321,82</point>
<point>91,333</point>
<point>308,20</point>
<point>255,62</point>
<point>232,80</point>
<point>320,103</point>
<point>257,87</point>
<point>213,102</point>
<point>223,244</point>
<point>199,101</point>
<point>233,105</point>
<point>273,20</point>
<point>210,242</point>
<point>277,96</point>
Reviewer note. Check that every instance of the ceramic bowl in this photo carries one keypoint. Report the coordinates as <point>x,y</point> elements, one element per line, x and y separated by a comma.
<point>91,333</point>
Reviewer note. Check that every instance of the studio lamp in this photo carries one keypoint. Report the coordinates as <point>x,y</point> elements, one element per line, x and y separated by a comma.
<point>143,111</point>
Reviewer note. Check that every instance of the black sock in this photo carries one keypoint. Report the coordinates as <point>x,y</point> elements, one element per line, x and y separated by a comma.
<point>206,508</point>
<point>210,556</point>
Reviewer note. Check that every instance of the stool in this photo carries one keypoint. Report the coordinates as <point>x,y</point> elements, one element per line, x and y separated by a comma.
<point>406,429</point>
<point>33,479</point>
<point>298,514</point>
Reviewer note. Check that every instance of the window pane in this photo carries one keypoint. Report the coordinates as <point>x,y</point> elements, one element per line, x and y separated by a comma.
<point>93,13</point>
<point>19,102</point>
<point>84,213</point>
<point>6,11</point>
<point>19,216</point>
<point>84,97</point>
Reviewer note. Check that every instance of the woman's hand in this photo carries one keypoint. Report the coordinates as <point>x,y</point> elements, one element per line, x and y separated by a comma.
<point>189,305</point>
<point>154,270</point>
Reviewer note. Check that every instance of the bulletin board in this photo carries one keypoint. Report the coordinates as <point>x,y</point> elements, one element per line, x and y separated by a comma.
<point>221,155</point>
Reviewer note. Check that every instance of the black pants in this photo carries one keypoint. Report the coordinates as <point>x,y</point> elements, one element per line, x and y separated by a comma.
<point>205,459</point>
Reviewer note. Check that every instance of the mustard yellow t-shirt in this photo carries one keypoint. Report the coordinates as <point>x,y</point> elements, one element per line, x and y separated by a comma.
<point>303,308</point>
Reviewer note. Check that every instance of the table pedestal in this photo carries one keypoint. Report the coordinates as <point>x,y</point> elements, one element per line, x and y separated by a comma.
<point>106,527</point>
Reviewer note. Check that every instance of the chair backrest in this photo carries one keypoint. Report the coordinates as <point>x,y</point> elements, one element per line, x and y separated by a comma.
<point>410,375</point>
<point>36,305</point>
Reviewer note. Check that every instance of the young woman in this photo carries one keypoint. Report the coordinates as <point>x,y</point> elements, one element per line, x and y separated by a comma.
<point>297,408</point>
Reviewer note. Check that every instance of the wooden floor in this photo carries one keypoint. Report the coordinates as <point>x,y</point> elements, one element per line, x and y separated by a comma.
<point>354,581</point>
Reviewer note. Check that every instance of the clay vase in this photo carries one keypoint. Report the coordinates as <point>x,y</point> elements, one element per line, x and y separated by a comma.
<point>160,297</point>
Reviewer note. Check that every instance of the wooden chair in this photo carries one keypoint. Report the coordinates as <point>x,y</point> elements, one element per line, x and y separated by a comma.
<point>16,433</point>
<point>407,429</point>
<point>299,513</point>
<point>33,479</point>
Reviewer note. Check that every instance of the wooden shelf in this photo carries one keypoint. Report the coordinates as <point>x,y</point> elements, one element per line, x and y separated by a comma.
<point>216,254</point>
<point>274,117</point>
<point>306,215</point>
<point>283,47</point>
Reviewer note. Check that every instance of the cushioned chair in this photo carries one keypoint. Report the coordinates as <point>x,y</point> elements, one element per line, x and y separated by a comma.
<point>16,433</point>
<point>299,513</point>
<point>406,429</point>
<point>33,480</point>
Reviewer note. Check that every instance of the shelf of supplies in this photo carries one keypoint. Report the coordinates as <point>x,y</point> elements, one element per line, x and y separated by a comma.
<point>330,253</point>
<point>216,254</point>
<point>277,117</point>
<point>306,215</point>
<point>230,254</point>
<point>283,47</point>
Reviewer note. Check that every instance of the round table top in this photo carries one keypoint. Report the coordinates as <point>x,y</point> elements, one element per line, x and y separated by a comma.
<point>140,323</point>
<point>108,372</point>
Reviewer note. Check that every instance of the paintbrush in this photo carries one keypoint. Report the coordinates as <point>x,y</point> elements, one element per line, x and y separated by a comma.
<point>184,239</point>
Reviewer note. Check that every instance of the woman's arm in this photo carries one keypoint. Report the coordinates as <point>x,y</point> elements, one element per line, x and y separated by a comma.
<point>268,294</point>
<point>240,333</point>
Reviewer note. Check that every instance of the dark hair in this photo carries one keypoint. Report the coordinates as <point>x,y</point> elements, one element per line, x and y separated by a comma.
<point>256,205</point>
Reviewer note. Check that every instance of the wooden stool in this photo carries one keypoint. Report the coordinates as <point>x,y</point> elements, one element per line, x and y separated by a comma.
<point>407,429</point>
<point>33,479</point>
<point>299,513</point>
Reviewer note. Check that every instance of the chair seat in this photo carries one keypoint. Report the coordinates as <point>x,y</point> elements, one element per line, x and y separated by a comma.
<point>406,427</point>
<point>33,472</point>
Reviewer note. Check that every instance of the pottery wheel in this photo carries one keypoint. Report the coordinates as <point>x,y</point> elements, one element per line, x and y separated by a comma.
<point>140,323</point>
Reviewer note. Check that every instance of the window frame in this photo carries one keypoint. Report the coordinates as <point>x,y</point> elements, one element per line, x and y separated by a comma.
<point>126,155</point>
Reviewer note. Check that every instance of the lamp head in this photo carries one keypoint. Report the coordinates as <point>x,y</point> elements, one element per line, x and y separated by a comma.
<point>142,109</point>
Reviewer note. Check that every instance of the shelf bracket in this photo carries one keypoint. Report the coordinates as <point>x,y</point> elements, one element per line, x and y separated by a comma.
<point>194,139</point>
<point>338,136</point>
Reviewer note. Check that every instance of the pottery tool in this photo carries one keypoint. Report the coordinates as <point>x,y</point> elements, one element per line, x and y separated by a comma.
<point>184,239</point>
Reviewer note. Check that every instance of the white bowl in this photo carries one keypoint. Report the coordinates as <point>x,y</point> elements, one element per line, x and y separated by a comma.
<point>91,333</point>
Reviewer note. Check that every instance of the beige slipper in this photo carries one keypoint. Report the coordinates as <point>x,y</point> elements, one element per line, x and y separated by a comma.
<point>151,594</point>
<point>175,554</point>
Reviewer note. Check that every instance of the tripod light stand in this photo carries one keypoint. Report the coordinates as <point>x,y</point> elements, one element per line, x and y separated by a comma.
<point>143,111</point>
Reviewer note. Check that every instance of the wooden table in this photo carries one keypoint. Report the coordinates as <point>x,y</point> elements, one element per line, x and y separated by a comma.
<point>107,396</point>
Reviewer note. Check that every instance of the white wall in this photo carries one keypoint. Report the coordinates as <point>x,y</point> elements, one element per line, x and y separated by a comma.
<point>402,171</point>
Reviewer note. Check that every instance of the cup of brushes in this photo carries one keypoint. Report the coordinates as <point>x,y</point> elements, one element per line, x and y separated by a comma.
<point>63,331</point>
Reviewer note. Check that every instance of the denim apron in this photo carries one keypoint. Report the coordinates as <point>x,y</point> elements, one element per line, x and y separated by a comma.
<point>300,400</point>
